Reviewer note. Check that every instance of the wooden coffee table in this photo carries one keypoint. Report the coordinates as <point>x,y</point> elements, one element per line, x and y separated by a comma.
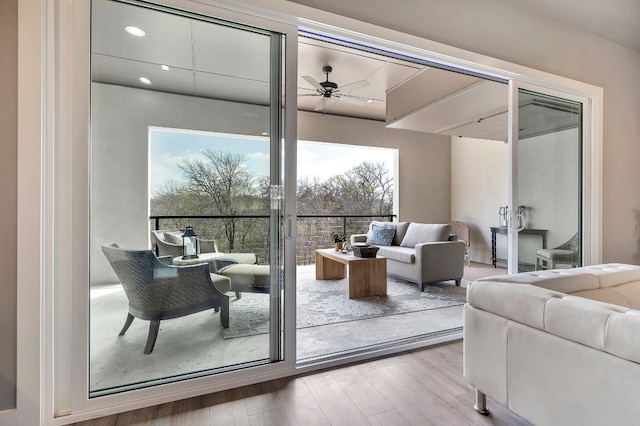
<point>367,276</point>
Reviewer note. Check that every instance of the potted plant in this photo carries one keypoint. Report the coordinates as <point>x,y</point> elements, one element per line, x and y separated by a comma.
<point>338,240</point>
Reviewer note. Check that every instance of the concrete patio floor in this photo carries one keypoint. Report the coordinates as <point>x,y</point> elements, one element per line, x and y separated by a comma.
<point>195,343</point>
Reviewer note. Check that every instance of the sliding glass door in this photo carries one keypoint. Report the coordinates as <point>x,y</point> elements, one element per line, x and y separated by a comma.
<point>546,220</point>
<point>187,137</point>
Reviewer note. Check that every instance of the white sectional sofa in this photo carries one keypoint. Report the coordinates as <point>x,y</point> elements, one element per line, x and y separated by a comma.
<point>418,252</point>
<point>557,347</point>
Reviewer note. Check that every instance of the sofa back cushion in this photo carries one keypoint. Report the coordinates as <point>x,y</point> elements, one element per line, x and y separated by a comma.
<point>399,227</point>
<point>425,233</point>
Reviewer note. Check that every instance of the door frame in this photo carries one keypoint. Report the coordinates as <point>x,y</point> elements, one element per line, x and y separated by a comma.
<point>49,45</point>
<point>53,385</point>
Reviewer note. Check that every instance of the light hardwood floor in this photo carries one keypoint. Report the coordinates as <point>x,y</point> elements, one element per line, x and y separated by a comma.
<point>422,387</point>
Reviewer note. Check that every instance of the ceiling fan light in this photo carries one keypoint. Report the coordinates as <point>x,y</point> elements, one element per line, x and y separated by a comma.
<point>134,31</point>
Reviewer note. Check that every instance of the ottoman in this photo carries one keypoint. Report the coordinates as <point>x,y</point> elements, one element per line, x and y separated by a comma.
<point>248,278</point>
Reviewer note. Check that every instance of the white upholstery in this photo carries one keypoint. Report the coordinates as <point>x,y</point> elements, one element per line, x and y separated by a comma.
<point>557,357</point>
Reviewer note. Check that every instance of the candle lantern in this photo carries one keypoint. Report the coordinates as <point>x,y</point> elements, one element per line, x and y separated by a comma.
<point>190,244</point>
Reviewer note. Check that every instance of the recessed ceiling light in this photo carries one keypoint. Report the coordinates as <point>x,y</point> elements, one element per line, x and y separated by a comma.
<point>265,133</point>
<point>164,67</point>
<point>145,80</point>
<point>138,32</point>
<point>369,101</point>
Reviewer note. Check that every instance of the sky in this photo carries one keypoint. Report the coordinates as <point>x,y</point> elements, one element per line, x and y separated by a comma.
<point>168,148</point>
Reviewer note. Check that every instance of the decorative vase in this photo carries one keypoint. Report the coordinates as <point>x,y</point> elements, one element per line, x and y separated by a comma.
<point>338,246</point>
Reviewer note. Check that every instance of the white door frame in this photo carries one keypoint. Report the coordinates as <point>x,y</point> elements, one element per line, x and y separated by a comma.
<point>591,207</point>
<point>48,204</point>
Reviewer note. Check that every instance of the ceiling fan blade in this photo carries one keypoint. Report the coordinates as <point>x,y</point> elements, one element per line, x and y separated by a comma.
<point>320,105</point>
<point>314,83</point>
<point>353,86</point>
<point>352,100</point>
<point>309,94</point>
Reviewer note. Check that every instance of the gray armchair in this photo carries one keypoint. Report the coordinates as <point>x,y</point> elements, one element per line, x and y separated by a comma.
<point>157,291</point>
<point>566,253</point>
<point>463,232</point>
<point>169,243</point>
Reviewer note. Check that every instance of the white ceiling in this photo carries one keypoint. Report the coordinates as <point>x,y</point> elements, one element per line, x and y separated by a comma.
<point>204,61</point>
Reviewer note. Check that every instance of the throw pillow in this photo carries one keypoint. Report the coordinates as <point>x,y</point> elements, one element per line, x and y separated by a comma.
<point>425,233</point>
<point>400,227</point>
<point>381,235</point>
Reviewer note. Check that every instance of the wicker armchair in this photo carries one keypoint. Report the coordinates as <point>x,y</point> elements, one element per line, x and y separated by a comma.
<point>463,233</point>
<point>157,291</point>
<point>566,253</point>
<point>169,243</point>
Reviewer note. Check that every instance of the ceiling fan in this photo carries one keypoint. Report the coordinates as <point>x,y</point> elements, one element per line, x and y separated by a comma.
<point>328,89</point>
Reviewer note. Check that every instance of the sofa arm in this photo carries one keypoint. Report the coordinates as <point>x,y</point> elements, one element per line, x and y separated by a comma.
<point>359,238</point>
<point>442,260</point>
<point>599,325</point>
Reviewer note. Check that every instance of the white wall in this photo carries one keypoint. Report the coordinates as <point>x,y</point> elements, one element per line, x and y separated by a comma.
<point>478,189</point>
<point>507,31</point>
<point>424,160</point>
<point>548,187</point>
<point>120,120</point>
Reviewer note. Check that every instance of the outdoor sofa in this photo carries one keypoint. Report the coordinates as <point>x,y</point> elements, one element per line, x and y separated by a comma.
<point>557,347</point>
<point>418,252</point>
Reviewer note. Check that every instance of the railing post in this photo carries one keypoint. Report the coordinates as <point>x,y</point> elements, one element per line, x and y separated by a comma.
<point>344,225</point>
<point>156,221</point>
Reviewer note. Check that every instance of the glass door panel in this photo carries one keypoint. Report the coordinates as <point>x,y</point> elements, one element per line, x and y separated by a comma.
<point>546,202</point>
<point>186,131</point>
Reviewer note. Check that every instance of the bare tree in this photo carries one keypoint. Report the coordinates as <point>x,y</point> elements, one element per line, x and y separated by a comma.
<point>230,187</point>
<point>365,189</point>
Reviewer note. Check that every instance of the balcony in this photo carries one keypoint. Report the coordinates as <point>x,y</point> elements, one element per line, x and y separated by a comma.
<point>250,233</point>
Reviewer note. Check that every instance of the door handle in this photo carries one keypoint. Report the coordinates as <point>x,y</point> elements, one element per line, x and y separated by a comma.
<point>289,227</point>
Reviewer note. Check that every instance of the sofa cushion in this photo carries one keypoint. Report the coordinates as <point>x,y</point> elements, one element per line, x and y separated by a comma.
<point>401,231</point>
<point>425,233</point>
<point>622,335</point>
<point>381,235</point>
<point>627,295</point>
<point>580,320</point>
<point>401,254</point>
<point>400,228</point>
<point>562,280</point>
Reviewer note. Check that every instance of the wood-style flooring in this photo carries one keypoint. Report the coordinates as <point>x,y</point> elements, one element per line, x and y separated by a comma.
<point>422,387</point>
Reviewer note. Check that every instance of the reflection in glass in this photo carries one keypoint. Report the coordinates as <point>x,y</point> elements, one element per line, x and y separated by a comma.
<point>178,114</point>
<point>549,181</point>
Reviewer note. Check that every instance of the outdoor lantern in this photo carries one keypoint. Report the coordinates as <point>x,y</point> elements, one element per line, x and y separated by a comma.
<point>190,244</point>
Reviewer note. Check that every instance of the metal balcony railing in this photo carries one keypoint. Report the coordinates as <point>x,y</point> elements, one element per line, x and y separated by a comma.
<point>250,233</point>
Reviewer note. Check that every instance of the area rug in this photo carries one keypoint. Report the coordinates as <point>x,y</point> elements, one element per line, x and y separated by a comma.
<point>322,302</point>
